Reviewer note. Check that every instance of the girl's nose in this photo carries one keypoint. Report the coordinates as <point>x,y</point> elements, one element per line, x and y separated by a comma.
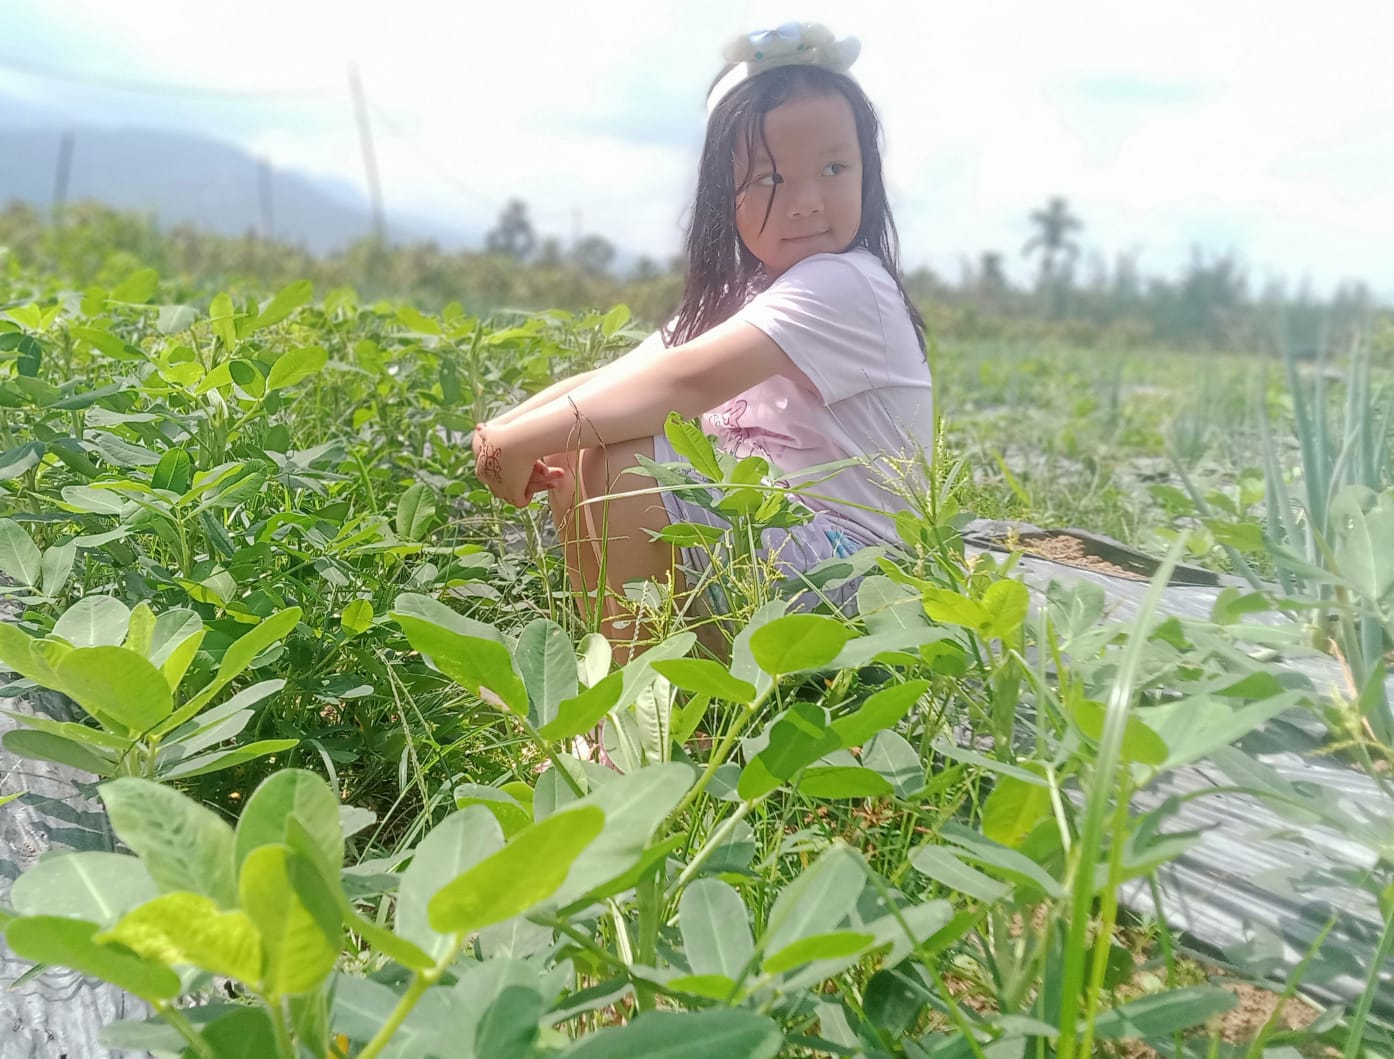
<point>803,199</point>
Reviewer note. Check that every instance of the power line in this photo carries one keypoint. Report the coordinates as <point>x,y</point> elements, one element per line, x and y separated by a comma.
<point>125,84</point>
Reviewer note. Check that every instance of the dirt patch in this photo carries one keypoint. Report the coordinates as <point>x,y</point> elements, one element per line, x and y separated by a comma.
<point>1072,552</point>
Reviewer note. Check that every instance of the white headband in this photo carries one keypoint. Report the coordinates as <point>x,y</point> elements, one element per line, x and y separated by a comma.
<point>794,43</point>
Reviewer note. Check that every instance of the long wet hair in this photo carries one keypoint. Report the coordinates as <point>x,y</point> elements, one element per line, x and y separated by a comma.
<point>722,273</point>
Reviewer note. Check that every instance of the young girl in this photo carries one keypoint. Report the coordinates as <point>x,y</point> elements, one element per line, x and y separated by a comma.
<point>795,340</point>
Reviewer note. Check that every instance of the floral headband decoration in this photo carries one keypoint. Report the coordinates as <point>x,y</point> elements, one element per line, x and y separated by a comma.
<point>794,43</point>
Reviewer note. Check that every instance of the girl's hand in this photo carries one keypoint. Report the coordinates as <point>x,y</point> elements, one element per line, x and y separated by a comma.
<point>512,478</point>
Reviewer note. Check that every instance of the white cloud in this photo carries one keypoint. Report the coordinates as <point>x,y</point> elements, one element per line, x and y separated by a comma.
<point>1167,126</point>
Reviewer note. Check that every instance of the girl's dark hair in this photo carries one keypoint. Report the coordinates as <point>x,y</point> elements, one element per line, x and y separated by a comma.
<point>721,272</point>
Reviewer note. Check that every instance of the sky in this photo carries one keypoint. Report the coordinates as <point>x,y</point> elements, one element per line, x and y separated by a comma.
<point>1265,130</point>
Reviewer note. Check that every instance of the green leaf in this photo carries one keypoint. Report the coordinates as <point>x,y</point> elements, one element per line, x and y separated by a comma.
<point>1013,810</point>
<point>238,656</point>
<point>951,608</point>
<point>172,319</point>
<point>415,510</point>
<point>715,929</point>
<point>688,441</point>
<point>835,945</point>
<point>174,472</point>
<point>20,558</point>
<point>895,759</point>
<point>69,943</point>
<point>943,866</point>
<point>706,677</point>
<point>453,847</point>
<point>186,928</point>
<point>138,288</point>
<point>1140,743</point>
<point>90,885</point>
<point>1362,527</point>
<point>797,642</point>
<point>286,301</point>
<point>357,616</point>
<point>731,1033</point>
<point>202,764</point>
<point>1014,865</point>
<point>184,845</point>
<point>296,366</point>
<point>94,621</point>
<point>57,564</point>
<point>547,663</point>
<point>511,814</point>
<point>16,653</point>
<point>1006,603</point>
<point>1160,1015</point>
<point>818,899</point>
<point>222,316</point>
<point>46,746</point>
<point>580,714</point>
<point>844,781</point>
<point>799,737</point>
<point>116,683</point>
<point>477,660</point>
<point>524,873</point>
<point>292,795</point>
<point>297,918</point>
<point>21,460</point>
<point>882,710</point>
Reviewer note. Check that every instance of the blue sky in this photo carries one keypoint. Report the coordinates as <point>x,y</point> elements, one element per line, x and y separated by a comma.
<point>1265,128</point>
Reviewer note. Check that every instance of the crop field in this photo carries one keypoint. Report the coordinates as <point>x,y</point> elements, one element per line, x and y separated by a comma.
<point>338,706</point>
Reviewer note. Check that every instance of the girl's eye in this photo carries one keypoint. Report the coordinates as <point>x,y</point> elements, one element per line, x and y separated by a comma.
<point>769,180</point>
<point>834,169</point>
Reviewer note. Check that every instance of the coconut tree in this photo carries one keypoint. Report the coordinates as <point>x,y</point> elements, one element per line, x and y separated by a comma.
<point>1054,244</point>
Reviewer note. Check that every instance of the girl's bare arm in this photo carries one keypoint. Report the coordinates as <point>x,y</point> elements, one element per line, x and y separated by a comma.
<point>542,397</point>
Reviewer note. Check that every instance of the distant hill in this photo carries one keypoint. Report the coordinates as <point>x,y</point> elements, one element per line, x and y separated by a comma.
<point>179,177</point>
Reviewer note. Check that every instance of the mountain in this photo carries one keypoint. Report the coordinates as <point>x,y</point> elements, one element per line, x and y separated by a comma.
<point>180,177</point>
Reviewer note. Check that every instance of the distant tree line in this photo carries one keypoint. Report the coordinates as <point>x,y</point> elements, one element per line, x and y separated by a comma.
<point>1072,297</point>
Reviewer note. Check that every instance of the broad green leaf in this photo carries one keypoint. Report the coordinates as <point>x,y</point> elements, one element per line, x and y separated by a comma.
<point>511,815</point>
<point>174,472</point>
<point>94,621</point>
<point>844,781</point>
<point>797,642</point>
<point>415,510</point>
<point>474,662</point>
<point>292,794</point>
<point>1362,529</point>
<point>688,441</point>
<point>21,460</point>
<point>942,865</point>
<point>93,500</point>
<point>817,900</point>
<point>1013,810</point>
<point>452,848</point>
<point>895,759</point>
<point>185,845</point>
<point>20,558</point>
<point>882,710</point>
<point>357,616</point>
<point>137,288</point>
<point>1015,866</point>
<point>187,928</point>
<point>704,676</point>
<point>296,366</point>
<point>46,746</point>
<point>799,737</point>
<point>547,663</point>
<point>116,683</point>
<point>634,806</point>
<point>1006,603</point>
<point>238,656</point>
<point>140,632</point>
<point>216,761</point>
<point>952,608</point>
<point>15,653</point>
<point>1160,1015</point>
<point>286,301</point>
<point>715,929</point>
<point>583,712</point>
<point>835,945</point>
<point>731,1033</point>
<point>297,918</point>
<point>89,885</point>
<point>221,315</point>
<point>524,873</point>
<point>69,943</point>
<point>1140,743</point>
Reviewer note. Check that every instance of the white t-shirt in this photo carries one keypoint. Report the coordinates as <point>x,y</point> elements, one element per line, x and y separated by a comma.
<point>842,321</point>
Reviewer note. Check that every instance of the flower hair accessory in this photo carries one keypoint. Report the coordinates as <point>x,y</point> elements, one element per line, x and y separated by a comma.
<point>794,43</point>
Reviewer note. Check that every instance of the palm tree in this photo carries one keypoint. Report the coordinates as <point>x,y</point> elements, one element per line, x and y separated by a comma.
<point>1053,241</point>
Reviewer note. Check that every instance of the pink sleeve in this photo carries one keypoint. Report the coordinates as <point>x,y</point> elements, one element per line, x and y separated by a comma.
<point>825,316</point>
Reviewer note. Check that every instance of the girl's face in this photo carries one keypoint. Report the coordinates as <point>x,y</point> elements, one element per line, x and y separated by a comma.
<point>814,179</point>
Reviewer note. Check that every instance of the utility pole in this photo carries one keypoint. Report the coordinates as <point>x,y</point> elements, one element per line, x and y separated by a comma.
<point>62,175</point>
<point>370,161</point>
<point>268,216</point>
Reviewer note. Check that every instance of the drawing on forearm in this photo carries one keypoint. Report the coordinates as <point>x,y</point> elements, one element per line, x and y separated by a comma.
<point>490,466</point>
